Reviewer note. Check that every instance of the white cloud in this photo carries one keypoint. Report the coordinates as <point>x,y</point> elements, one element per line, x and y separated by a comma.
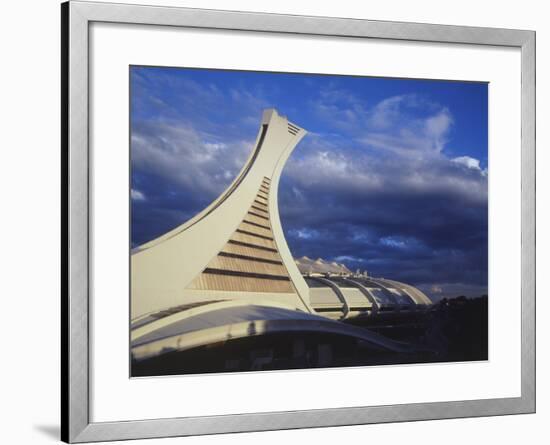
<point>469,162</point>
<point>136,195</point>
<point>339,107</point>
<point>391,241</point>
<point>437,127</point>
<point>438,291</point>
<point>326,165</point>
<point>178,152</point>
<point>304,233</point>
<point>333,169</point>
<point>407,125</point>
<point>398,144</point>
<point>187,143</point>
<point>349,258</point>
<point>386,112</point>
<point>392,129</point>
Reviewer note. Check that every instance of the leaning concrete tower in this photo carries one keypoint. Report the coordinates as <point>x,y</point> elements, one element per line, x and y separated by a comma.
<point>234,249</point>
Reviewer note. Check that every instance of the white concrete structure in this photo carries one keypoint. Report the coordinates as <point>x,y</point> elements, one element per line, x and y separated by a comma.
<point>233,249</point>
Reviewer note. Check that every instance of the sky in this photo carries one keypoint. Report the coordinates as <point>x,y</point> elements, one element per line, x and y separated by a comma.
<point>397,169</point>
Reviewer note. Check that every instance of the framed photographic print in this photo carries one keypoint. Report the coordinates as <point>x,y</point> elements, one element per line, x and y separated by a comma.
<point>336,214</point>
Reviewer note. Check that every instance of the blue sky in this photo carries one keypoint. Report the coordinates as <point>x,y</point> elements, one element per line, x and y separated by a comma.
<point>397,181</point>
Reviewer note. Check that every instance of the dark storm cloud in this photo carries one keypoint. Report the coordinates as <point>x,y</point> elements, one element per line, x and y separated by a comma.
<point>421,220</point>
<point>176,172</point>
<point>376,188</point>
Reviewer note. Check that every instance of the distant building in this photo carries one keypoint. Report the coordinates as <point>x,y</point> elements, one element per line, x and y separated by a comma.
<point>319,266</point>
<point>336,292</point>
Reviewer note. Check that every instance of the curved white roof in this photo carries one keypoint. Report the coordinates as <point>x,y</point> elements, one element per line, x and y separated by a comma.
<point>238,321</point>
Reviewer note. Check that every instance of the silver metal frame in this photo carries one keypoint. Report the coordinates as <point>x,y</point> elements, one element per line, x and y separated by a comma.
<point>76,18</point>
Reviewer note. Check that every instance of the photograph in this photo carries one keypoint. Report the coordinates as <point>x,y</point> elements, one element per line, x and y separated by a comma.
<point>279,222</point>
<point>305,220</point>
